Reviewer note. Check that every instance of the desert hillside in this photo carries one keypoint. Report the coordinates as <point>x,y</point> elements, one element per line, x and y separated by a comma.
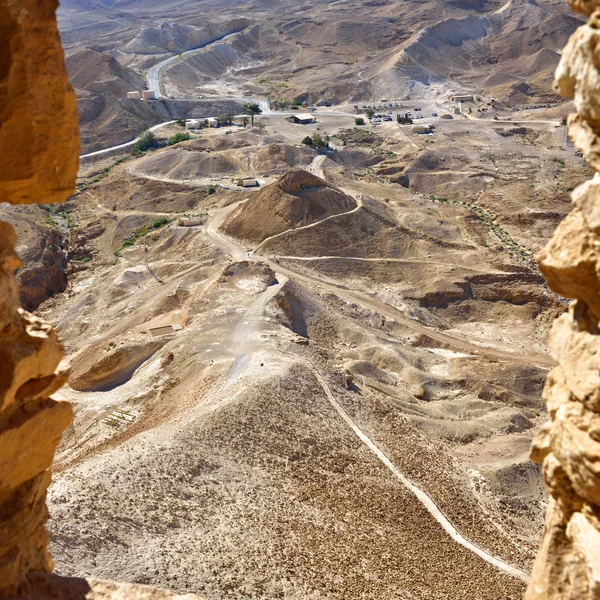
<point>243,358</point>
<point>319,52</point>
<point>306,330</point>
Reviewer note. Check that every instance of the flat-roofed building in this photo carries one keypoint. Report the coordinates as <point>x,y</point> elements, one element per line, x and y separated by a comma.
<point>301,119</point>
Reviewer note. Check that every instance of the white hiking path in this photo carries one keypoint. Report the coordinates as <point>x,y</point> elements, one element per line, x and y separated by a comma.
<point>422,497</point>
<point>408,261</point>
<point>359,205</point>
<point>242,335</point>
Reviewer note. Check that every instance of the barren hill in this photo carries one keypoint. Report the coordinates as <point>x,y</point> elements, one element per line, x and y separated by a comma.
<point>99,72</point>
<point>297,199</point>
<point>275,386</point>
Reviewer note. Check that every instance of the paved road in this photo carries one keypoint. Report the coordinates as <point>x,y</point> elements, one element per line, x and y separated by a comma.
<point>156,71</point>
<point>154,83</point>
<point>125,145</point>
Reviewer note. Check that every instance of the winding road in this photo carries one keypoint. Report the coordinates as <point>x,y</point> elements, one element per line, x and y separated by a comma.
<point>154,83</point>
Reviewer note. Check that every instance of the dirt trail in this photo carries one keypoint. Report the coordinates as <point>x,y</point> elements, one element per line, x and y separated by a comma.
<point>238,253</point>
<point>242,338</point>
<point>423,498</point>
<point>409,261</point>
<point>337,216</point>
<point>352,296</point>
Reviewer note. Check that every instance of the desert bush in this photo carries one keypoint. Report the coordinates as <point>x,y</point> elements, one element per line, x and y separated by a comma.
<point>178,137</point>
<point>145,142</point>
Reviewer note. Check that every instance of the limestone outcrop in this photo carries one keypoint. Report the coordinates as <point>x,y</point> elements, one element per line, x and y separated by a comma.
<point>38,115</point>
<point>39,145</point>
<point>568,446</point>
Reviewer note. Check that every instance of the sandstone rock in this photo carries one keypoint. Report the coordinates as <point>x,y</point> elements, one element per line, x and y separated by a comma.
<point>568,562</point>
<point>53,587</point>
<point>39,137</point>
<point>570,260</point>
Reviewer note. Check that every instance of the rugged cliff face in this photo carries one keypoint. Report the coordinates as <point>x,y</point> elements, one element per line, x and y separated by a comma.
<point>568,563</point>
<point>39,144</point>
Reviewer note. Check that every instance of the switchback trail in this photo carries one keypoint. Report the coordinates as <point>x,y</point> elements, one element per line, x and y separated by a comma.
<point>352,296</point>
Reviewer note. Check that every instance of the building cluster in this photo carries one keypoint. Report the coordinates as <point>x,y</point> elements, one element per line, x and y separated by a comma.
<point>143,95</point>
<point>200,123</point>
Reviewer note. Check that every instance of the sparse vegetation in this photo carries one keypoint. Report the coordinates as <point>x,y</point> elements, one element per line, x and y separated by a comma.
<point>490,224</point>
<point>317,141</point>
<point>358,137</point>
<point>145,142</point>
<point>178,137</point>
<point>102,174</point>
<point>143,231</point>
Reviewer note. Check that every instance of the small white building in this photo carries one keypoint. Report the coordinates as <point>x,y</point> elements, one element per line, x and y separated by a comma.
<point>193,124</point>
<point>462,99</point>
<point>149,95</point>
<point>248,182</point>
<point>302,119</point>
<point>422,129</point>
<point>212,122</point>
<point>134,95</point>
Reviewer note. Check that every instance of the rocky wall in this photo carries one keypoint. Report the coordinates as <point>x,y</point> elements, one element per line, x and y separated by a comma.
<point>568,563</point>
<point>39,146</point>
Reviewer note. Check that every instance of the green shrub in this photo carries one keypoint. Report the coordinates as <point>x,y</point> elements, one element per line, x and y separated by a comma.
<point>307,141</point>
<point>145,142</point>
<point>359,121</point>
<point>178,137</point>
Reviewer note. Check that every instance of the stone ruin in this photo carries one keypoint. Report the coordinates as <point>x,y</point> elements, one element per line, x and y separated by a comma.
<point>39,144</point>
